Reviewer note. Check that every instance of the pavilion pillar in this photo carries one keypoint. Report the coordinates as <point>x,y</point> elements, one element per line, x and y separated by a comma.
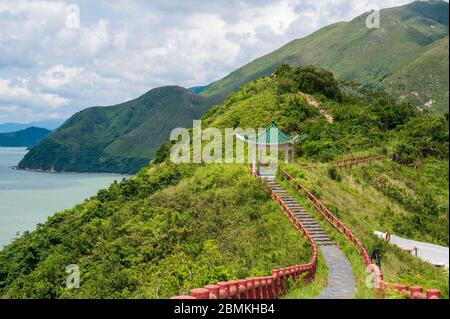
<point>254,159</point>
<point>260,157</point>
<point>260,154</point>
<point>286,155</point>
<point>292,153</point>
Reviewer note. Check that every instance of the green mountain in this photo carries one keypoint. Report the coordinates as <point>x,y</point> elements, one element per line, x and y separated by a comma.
<point>407,56</point>
<point>13,127</point>
<point>27,137</point>
<point>120,138</point>
<point>173,227</point>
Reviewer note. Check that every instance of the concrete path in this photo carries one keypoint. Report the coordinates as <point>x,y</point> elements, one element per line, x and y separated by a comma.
<point>433,254</point>
<point>341,281</point>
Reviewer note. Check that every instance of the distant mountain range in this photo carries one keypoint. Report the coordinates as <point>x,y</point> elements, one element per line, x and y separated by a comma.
<point>24,138</point>
<point>120,138</point>
<point>407,57</point>
<point>14,127</point>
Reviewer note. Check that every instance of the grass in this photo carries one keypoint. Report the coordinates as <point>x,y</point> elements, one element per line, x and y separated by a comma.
<point>301,290</point>
<point>158,234</point>
<point>363,209</point>
<point>349,250</point>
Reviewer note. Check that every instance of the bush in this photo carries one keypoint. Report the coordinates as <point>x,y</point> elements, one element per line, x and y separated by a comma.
<point>308,79</point>
<point>422,137</point>
<point>154,236</point>
<point>162,153</point>
<point>333,173</point>
<point>391,114</point>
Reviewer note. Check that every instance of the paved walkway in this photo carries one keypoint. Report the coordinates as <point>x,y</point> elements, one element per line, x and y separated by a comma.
<point>433,254</point>
<point>341,281</point>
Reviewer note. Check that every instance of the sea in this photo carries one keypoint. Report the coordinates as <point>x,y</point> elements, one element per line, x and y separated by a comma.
<point>28,198</point>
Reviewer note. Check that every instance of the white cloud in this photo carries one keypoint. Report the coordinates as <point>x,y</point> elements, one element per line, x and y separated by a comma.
<point>120,40</point>
<point>19,92</point>
<point>124,48</point>
<point>94,39</point>
<point>58,76</point>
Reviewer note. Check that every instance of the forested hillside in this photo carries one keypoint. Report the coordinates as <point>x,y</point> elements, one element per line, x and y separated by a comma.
<point>120,138</point>
<point>168,229</point>
<point>24,138</point>
<point>407,56</point>
<point>171,228</point>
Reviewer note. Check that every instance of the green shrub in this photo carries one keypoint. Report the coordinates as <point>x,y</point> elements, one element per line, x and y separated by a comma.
<point>158,234</point>
<point>307,79</point>
<point>334,173</point>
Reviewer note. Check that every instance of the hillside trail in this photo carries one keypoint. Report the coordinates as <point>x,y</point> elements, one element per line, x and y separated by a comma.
<point>434,254</point>
<point>341,280</point>
<point>314,103</point>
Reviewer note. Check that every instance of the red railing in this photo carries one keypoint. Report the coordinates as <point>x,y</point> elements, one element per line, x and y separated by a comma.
<point>414,292</point>
<point>349,162</point>
<point>346,163</point>
<point>268,287</point>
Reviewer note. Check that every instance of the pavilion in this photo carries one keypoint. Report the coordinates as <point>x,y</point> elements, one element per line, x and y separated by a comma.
<point>273,138</point>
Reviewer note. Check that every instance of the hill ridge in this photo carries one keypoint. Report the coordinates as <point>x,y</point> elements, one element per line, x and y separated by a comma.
<point>24,138</point>
<point>120,138</point>
<point>345,49</point>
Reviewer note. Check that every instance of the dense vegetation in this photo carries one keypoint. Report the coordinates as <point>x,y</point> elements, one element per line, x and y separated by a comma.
<point>166,230</point>
<point>24,138</point>
<point>171,228</point>
<point>121,138</point>
<point>407,56</point>
<point>363,120</point>
<point>408,196</point>
<point>387,197</point>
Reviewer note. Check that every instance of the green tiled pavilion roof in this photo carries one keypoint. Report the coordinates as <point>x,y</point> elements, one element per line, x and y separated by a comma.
<point>273,136</point>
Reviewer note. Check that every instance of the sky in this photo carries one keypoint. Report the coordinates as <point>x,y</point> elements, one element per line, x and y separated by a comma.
<point>57,58</point>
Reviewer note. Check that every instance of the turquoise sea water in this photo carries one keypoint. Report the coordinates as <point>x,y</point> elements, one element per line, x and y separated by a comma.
<point>28,198</point>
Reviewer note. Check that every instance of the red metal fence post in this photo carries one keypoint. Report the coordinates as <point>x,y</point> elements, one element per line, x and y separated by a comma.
<point>213,291</point>
<point>416,292</point>
<point>257,283</point>
<point>433,294</point>
<point>200,293</point>
<point>242,289</point>
<point>270,287</point>
<point>283,281</point>
<point>224,290</point>
<point>276,281</point>
<point>251,288</point>
<point>264,288</point>
<point>234,292</point>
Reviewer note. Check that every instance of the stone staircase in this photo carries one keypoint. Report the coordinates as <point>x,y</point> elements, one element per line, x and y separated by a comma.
<point>314,229</point>
<point>341,281</point>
